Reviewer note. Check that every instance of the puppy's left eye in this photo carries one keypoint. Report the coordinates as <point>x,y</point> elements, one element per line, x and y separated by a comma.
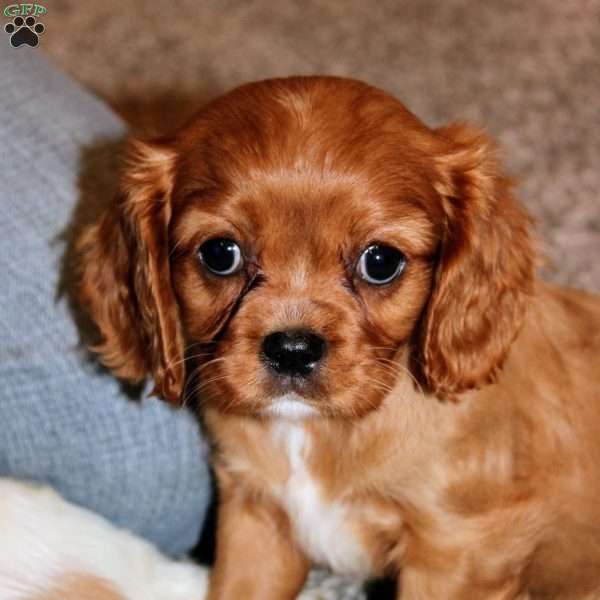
<point>380,264</point>
<point>221,256</point>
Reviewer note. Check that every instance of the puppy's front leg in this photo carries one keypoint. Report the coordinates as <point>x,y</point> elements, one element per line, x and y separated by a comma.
<point>256,557</point>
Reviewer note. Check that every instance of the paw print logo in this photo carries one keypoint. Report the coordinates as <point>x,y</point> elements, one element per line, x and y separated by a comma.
<point>24,31</point>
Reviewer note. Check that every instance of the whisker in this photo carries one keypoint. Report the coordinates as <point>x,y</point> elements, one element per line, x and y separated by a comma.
<point>185,394</point>
<point>172,251</point>
<point>210,363</point>
<point>174,363</point>
<point>394,367</point>
<point>201,386</point>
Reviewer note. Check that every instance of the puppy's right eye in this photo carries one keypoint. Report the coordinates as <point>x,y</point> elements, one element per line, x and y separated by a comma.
<point>380,264</point>
<point>221,256</point>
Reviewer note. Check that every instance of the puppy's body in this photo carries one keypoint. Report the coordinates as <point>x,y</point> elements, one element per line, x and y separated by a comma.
<point>487,496</point>
<point>440,423</point>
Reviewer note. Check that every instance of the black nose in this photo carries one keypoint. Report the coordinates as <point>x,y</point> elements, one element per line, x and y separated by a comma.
<point>293,352</point>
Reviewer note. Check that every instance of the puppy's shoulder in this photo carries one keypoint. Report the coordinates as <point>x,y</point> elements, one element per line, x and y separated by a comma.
<point>572,317</point>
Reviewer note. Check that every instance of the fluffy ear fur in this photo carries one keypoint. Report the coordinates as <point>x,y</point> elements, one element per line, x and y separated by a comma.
<point>485,272</point>
<point>125,275</point>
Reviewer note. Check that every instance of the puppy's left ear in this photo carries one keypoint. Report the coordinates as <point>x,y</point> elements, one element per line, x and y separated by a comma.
<point>485,270</point>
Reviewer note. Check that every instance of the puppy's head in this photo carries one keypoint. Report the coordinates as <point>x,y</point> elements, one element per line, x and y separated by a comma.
<point>297,242</point>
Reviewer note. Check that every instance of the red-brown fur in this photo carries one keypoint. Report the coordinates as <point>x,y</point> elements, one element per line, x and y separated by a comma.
<point>459,404</point>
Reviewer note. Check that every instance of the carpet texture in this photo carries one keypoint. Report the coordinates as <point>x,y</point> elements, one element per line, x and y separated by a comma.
<point>527,71</point>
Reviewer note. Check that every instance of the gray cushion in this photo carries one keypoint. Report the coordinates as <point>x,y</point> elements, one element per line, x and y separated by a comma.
<point>64,420</point>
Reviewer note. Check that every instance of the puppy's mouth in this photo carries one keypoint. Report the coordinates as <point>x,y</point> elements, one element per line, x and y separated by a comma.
<point>292,407</point>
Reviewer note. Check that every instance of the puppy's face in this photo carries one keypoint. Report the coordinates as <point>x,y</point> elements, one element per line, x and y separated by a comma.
<point>303,246</point>
<point>290,236</point>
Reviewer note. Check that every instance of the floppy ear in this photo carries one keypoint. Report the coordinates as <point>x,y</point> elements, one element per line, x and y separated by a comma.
<point>485,271</point>
<point>125,276</point>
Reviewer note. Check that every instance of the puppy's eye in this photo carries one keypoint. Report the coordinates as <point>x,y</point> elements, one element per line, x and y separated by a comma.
<point>221,256</point>
<point>380,264</point>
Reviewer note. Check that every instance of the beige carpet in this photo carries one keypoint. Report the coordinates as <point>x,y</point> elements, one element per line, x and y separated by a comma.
<point>528,71</point>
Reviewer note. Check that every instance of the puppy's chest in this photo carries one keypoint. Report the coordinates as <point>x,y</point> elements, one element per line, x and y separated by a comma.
<point>327,529</point>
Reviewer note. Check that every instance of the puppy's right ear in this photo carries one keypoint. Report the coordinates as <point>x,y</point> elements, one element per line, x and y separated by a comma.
<point>125,280</point>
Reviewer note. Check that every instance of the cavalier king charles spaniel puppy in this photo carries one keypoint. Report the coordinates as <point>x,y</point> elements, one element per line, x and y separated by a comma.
<point>350,295</point>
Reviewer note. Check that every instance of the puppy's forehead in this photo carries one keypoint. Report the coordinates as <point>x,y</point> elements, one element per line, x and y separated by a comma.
<point>307,125</point>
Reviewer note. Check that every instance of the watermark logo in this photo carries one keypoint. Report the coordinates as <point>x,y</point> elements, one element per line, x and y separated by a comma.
<point>25,29</point>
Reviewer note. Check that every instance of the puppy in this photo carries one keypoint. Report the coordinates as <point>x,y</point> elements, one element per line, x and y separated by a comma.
<point>53,550</point>
<point>351,296</point>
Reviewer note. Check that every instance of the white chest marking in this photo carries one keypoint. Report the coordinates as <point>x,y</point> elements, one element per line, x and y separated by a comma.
<point>321,528</point>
